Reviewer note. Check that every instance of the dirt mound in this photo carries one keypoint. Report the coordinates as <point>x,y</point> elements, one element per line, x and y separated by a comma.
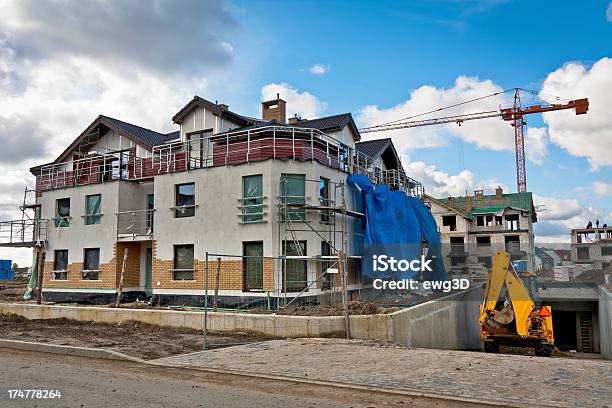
<point>355,308</point>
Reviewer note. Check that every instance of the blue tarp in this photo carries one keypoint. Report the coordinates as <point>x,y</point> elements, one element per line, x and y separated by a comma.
<point>395,225</point>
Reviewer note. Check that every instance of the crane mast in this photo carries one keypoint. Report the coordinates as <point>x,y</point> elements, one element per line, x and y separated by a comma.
<point>513,114</point>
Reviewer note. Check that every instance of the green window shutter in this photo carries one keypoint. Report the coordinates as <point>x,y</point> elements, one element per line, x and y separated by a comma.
<point>93,204</point>
<point>62,212</point>
<point>252,198</point>
<point>293,191</point>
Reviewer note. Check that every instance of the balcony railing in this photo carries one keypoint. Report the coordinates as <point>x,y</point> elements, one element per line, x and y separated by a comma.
<point>23,233</point>
<point>134,225</point>
<point>231,148</point>
<point>274,142</point>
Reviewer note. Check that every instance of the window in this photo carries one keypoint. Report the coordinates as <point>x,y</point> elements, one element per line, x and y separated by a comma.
<point>295,276</point>
<point>91,264</point>
<point>457,245</point>
<point>119,168</point>
<point>512,222</point>
<point>480,221</point>
<point>293,194</point>
<point>513,243</point>
<point>489,220</point>
<point>252,267</point>
<point>92,209</point>
<point>252,198</point>
<point>185,200</point>
<point>486,261</point>
<point>60,264</point>
<point>62,212</point>
<point>483,241</point>
<point>583,253</point>
<point>606,250</point>
<point>324,200</point>
<point>183,263</point>
<point>449,221</point>
<point>325,265</point>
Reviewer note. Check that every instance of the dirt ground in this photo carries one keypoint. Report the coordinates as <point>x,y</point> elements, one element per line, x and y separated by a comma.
<point>132,338</point>
<point>355,308</point>
<point>12,291</point>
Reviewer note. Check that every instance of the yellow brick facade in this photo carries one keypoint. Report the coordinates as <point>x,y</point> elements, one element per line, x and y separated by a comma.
<point>230,277</point>
<point>109,275</point>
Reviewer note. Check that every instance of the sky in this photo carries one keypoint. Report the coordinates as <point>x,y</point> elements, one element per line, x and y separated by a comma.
<point>62,63</point>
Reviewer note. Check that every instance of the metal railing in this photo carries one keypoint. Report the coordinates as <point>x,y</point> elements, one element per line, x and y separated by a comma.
<point>93,169</point>
<point>135,224</point>
<point>275,142</point>
<point>252,209</point>
<point>230,148</point>
<point>23,233</point>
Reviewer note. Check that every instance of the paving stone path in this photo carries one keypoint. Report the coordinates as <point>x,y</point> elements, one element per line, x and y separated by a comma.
<point>497,378</point>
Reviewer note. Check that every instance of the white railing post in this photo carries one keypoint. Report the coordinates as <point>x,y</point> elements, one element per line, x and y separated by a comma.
<point>293,143</point>
<point>274,142</point>
<point>311,145</point>
<point>248,145</point>
<point>226,148</point>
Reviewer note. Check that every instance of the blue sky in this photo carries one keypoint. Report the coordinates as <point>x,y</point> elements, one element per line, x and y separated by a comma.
<point>384,60</point>
<point>378,51</point>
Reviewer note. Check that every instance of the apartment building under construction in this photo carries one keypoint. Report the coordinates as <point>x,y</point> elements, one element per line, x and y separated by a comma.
<point>266,196</point>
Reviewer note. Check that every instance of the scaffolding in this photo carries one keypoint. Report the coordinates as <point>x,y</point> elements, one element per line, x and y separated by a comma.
<point>28,232</point>
<point>328,219</point>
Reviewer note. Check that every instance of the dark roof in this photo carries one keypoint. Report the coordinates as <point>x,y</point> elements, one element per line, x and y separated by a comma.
<point>543,254</point>
<point>373,148</point>
<point>490,204</point>
<point>147,137</point>
<point>173,135</point>
<point>335,122</point>
<point>139,135</point>
<point>218,109</point>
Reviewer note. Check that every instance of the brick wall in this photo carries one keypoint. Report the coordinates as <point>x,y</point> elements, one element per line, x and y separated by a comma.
<point>131,276</point>
<point>230,278</point>
<point>109,272</point>
<point>75,274</point>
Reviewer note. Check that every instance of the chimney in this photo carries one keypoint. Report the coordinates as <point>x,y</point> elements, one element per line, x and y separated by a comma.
<point>499,193</point>
<point>468,203</point>
<point>223,106</point>
<point>275,109</point>
<point>478,193</point>
<point>451,202</point>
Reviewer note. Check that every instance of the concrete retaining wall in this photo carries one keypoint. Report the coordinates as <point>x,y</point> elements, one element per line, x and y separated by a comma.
<point>449,323</point>
<point>605,322</point>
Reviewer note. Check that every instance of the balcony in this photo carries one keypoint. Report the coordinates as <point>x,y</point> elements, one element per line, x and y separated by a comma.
<point>231,148</point>
<point>23,233</point>
<point>135,225</point>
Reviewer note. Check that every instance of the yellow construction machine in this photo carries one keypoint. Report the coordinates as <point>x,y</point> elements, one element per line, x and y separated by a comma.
<point>517,318</point>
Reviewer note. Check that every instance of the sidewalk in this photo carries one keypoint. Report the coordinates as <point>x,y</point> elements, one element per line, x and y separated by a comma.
<point>472,376</point>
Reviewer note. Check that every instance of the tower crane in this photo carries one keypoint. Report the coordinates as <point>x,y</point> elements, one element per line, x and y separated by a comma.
<point>513,114</point>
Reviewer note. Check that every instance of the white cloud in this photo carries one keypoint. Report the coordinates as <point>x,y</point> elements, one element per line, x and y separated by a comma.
<point>319,69</point>
<point>492,133</point>
<point>303,104</point>
<point>536,145</point>
<point>609,12</point>
<point>150,34</point>
<point>557,216</point>
<point>440,184</point>
<point>587,135</point>
<point>602,188</point>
